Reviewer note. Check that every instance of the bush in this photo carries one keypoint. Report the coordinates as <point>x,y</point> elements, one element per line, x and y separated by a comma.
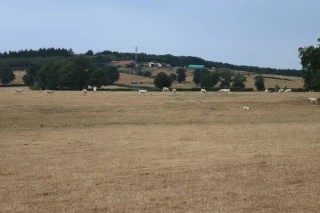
<point>147,74</point>
<point>299,90</point>
<point>35,87</point>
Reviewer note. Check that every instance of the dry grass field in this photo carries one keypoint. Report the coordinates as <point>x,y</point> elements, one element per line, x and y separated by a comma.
<point>159,152</point>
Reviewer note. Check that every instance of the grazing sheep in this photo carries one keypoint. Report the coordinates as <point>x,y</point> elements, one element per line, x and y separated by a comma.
<point>84,92</point>
<point>281,90</point>
<point>313,100</point>
<point>224,91</point>
<point>288,90</point>
<point>246,108</point>
<point>203,91</point>
<point>141,91</point>
<point>266,91</point>
<point>94,89</point>
<point>49,92</point>
<point>165,89</point>
<point>174,91</point>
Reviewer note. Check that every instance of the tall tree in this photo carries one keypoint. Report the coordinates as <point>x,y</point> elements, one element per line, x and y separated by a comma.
<point>98,78</point>
<point>30,76</point>
<point>239,81</point>
<point>181,74</point>
<point>259,82</point>
<point>310,61</point>
<point>113,74</point>
<point>196,76</point>
<point>162,80</point>
<point>6,74</point>
<point>89,53</point>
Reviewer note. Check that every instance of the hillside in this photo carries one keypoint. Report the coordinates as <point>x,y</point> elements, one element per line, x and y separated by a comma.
<point>23,58</point>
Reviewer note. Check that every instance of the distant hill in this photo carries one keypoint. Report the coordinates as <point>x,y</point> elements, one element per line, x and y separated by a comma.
<point>21,60</point>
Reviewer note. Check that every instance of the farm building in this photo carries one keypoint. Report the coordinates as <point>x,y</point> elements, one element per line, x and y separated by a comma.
<point>194,66</point>
<point>121,63</point>
<point>152,64</point>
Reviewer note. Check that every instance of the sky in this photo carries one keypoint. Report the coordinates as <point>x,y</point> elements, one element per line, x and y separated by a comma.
<point>265,33</point>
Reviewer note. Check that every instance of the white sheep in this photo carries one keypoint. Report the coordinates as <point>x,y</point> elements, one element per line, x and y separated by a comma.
<point>313,100</point>
<point>49,92</point>
<point>288,90</point>
<point>266,91</point>
<point>84,92</point>
<point>165,89</point>
<point>141,91</point>
<point>281,90</point>
<point>203,91</point>
<point>94,89</point>
<point>224,91</point>
<point>246,108</point>
<point>174,91</point>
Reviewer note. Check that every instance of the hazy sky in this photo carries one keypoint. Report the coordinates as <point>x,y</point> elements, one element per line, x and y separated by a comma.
<point>264,33</point>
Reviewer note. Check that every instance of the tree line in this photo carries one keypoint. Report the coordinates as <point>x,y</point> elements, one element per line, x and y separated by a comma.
<point>75,74</point>
<point>207,79</point>
<point>42,53</point>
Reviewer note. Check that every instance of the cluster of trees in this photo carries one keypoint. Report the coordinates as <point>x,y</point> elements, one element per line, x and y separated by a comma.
<point>69,75</point>
<point>207,79</point>
<point>163,80</point>
<point>310,61</point>
<point>42,52</point>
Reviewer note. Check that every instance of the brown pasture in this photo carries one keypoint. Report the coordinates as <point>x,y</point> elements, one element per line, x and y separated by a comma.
<point>159,152</point>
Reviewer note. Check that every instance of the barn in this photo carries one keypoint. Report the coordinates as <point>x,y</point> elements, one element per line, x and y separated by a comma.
<point>195,66</point>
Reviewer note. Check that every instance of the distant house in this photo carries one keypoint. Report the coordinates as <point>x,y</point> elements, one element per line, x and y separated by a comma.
<point>121,63</point>
<point>152,64</point>
<point>195,66</point>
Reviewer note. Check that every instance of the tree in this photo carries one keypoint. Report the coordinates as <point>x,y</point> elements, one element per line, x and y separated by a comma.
<point>147,74</point>
<point>206,81</point>
<point>113,74</point>
<point>276,87</point>
<point>226,75</point>
<point>162,80</point>
<point>259,82</point>
<point>89,53</point>
<point>310,61</point>
<point>30,77</point>
<point>181,74</point>
<point>196,76</point>
<point>224,84</point>
<point>98,78</point>
<point>207,78</point>
<point>6,74</point>
<point>173,76</point>
<point>239,80</point>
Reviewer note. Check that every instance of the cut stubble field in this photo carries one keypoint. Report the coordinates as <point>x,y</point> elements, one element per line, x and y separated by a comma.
<point>159,152</point>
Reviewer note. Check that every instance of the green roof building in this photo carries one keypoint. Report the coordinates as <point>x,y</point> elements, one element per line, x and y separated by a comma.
<point>194,66</point>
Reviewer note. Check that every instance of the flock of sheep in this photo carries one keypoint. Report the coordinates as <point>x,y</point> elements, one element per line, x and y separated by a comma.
<point>166,89</point>
<point>226,91</point>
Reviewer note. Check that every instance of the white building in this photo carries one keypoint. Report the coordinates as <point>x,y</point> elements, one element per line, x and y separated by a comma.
<point>152,64</point>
